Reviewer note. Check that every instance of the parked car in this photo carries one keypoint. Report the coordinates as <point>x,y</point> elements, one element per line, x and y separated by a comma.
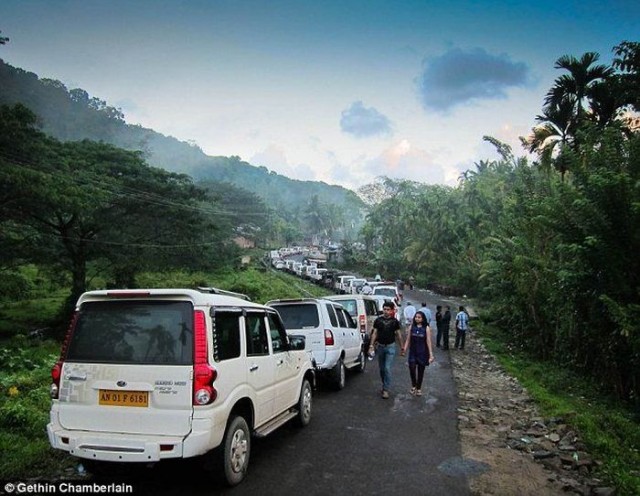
<point>154,374</point>
<point>363,309</point>
<point>341,283</point>
<point>355,285</point>
<point>388,291</point>
<point>331,334</point>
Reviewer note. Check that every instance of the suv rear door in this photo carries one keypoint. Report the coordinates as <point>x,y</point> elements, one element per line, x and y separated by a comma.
<point>128,367</point>
<point>304,318</point>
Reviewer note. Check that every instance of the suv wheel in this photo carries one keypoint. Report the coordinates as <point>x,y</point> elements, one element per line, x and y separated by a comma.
<point>304,404</point>
<point>339,374</point>
<point>236,450</point>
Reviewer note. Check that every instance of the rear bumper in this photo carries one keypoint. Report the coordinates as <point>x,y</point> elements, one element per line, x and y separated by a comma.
<point>118,447</point>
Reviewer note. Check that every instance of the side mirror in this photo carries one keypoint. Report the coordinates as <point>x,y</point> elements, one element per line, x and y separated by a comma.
<point>297,342</point>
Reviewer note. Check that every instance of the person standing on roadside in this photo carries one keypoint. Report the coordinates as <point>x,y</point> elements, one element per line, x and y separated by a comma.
<point>446,325</point>
<point>427,313</point>
<point>386,329</point>
<point>418,344</point>
<point>462,325</point>
<point>438,325</point>
<point>409,312</point>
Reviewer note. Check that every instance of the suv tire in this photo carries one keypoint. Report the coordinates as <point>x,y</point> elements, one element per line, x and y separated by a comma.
<point>339,374</point>
<point>236,449</point>
<point>304,404</point>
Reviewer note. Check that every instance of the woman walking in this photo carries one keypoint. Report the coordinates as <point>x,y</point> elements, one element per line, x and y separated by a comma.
<point>418,344</point>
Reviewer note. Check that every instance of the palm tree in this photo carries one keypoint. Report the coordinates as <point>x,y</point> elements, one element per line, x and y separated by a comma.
<point>576,86</point>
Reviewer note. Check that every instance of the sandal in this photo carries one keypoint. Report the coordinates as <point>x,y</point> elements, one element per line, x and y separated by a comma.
<point>412,390</point>
<point>418,392</point>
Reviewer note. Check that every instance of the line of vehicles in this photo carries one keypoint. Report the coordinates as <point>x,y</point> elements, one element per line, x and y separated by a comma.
<point>154,374</point>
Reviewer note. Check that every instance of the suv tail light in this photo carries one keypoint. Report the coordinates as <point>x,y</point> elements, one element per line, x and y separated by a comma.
<point>328,338</point>
<point>363,323</point>
<point>56,370</point>
<point>203,374</point>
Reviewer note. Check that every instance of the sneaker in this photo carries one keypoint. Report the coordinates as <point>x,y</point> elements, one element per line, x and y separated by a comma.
<point>412,390</point>
<point>385,394</point>
<point>418,392</point>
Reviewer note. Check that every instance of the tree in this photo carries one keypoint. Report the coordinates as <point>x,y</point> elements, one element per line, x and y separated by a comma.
<point>84,202</point>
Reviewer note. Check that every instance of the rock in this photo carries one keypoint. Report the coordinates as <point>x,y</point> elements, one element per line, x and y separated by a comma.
<point>603,491</point>
<point>554,437</point>
<point>542,454</point>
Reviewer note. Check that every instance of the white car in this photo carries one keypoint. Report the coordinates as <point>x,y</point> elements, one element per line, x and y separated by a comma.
<point>149,375</point>
<point>331,334</point>
<point>388,291</point>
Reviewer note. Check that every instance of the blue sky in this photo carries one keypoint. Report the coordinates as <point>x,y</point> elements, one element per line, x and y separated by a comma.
<point>337,91</point>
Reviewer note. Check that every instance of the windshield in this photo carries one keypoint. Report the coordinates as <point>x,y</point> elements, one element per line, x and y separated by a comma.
<point>299,316</point>
<point>158,332</point>
<point>385,292</point>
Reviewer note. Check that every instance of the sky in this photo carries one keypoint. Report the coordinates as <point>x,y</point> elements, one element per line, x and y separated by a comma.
<point>339,91</point>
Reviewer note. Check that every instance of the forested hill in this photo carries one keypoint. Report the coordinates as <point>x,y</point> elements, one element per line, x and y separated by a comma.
<point>71,115</point>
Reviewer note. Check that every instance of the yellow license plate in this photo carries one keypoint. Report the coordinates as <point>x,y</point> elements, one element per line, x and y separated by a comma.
<point>123,398</point>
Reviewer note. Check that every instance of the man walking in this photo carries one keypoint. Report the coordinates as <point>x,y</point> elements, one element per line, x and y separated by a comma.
<point>386,329</point>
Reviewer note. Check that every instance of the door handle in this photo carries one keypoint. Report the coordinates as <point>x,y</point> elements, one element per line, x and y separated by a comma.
<point>280,362</point>
<point>253,368</point>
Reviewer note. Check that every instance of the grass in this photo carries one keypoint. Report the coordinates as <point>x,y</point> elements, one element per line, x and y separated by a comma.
<point>25,363</point>
<point>608,429</point>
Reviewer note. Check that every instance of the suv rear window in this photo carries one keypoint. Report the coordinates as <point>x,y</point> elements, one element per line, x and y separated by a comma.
<point>140,332</point>
<point>299,316</point>
<point>385,292</point>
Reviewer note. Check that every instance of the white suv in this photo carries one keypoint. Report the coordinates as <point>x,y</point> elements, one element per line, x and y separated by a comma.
<point>331,334</point>
<point>147,375</point>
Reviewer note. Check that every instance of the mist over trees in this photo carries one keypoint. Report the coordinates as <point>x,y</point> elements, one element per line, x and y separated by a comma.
<point>74,115</point>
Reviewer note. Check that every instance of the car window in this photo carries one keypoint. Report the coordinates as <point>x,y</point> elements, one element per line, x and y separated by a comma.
<point>370,307</point>
<point>385,292</point>
<point>278,333</point>
<point>299,316</point>
<point>158,332</point>
<point>332,315</point>
<point>256,334</point>
<point>226,335</point>
<point>350,322</point>
<point>341,319</point>
<point>350,306</point>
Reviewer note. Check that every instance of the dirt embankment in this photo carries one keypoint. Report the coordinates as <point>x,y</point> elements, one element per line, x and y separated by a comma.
<point>500,426</point>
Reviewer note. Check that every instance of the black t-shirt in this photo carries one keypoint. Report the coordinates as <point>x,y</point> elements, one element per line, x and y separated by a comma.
<point>386,329</point>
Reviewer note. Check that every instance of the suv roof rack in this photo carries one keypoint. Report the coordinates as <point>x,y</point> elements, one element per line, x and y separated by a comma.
<point>212,290</point>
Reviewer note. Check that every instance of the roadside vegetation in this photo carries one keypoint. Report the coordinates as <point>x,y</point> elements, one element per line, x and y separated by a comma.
<point>610,431</point>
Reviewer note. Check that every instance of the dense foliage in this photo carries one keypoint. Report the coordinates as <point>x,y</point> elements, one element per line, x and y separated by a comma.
<point>86,206</point>
<point>552,244</point>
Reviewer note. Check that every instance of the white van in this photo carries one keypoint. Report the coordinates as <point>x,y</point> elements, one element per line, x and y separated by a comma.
<point>148,375</point>
<point>331,334</point>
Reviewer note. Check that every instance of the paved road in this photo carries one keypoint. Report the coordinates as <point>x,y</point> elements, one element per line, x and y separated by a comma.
<point>357,443</point>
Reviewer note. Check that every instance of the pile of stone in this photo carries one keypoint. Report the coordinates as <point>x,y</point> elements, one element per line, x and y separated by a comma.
<point>496,412</point>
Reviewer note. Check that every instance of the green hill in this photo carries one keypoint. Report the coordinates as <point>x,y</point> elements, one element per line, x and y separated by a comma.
<point>72,114</point>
